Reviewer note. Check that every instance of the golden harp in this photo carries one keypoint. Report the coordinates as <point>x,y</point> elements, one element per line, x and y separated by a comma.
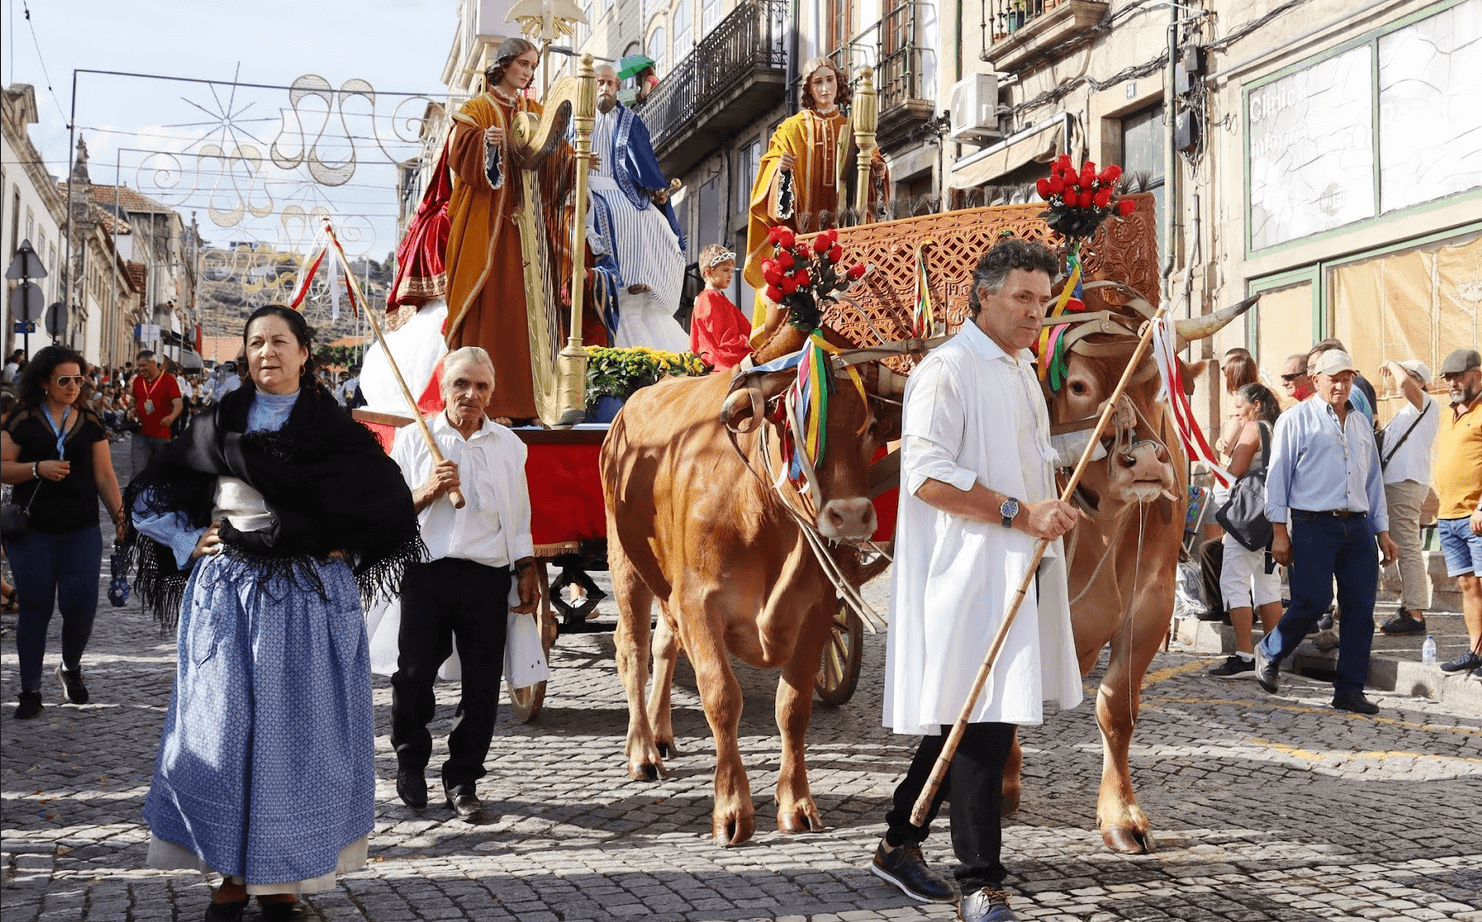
<point>559,373</point>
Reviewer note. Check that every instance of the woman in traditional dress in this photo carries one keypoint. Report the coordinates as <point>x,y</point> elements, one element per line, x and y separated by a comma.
<point>263,529</point>
<point>485,264</point>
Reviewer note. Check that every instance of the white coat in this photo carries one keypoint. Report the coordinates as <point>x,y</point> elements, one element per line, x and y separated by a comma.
<point>974,414</point>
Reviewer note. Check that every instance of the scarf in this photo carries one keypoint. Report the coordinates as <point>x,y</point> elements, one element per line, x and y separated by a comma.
<point>325,480</point>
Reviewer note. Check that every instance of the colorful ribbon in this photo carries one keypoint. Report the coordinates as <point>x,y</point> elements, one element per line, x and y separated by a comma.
<point>923,318</point>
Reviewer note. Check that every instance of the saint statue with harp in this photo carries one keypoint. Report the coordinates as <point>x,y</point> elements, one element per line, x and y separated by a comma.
<point>510,254</point>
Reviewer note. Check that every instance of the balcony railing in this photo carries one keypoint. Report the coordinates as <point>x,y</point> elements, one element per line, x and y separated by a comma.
<point>752,37</point>
<point>1005,17</point>
<point>890,45</point>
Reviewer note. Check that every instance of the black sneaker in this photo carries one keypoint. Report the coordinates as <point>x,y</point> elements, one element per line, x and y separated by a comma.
<point>72,688</point>
<point>1467,662</point>
<point>905,868</point>
<point>1403,623</point>
<point>30,705</point>
<point>1235,668</point>
<point>1213,614</point>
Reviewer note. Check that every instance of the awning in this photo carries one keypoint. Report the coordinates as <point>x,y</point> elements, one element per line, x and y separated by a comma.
<point>190,361</point>
<point>1037,143</point>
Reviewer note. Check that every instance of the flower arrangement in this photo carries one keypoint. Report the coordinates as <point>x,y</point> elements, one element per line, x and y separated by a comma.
<point>1079,200</point>
<point>800,276</point>
<point>620,372</point>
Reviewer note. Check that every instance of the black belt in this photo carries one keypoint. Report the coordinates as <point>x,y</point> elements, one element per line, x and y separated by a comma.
<point>1339,513</point>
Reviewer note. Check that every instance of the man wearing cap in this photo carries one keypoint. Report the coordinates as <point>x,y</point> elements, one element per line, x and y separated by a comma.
<point>1459,486</point>
<point>1405,459</point>
<point>1324,493</point>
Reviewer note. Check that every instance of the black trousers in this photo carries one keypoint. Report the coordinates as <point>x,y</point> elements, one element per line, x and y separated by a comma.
<point>975,785</point>
<point>441,601</point>
<point>1211,565</point>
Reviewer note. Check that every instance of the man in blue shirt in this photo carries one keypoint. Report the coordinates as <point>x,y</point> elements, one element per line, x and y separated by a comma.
<point>1325,493</point>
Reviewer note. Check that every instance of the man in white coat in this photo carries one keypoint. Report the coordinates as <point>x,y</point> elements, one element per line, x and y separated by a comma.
<point>480,565</point>
<point>976,464</point>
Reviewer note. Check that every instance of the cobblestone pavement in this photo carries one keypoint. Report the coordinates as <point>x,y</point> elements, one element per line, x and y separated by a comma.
<point>1263,807</point>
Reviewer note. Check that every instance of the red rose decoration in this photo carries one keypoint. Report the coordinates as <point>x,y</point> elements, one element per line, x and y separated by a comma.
<point>821,244</point>
<point>772,275</point>
<point>774,294</point>
<point>1057,185</point>
<point>1125,207</point>
<point>774,234</point>
<point>1086,198</point>
<point>1111,174</point>
<point>1103,198</point>
<point>788,285</point>
<point>835,253</point>
<point>856,271</point>
<point>786,238</point>
<point>785,261</point>
<point>1042,186</point>
<point>1088,177</point>
<point>802,278</point>
<point>1063,161</point>
<point>833,235</point>
<point>1089,166</point>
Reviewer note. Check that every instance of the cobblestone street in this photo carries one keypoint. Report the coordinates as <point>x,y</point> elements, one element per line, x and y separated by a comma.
<point>1263,807</point>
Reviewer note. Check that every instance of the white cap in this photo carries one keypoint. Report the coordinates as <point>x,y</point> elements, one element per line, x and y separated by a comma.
<point>1417,368</point>
<point>1332,362</point>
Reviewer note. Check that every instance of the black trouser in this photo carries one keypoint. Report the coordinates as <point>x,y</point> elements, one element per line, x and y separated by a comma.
<point>1211,565</point>
<point>975,782</point>
<point>442,600</point>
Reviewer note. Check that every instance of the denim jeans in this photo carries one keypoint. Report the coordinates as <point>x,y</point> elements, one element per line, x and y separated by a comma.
<point>60,568</point>
<point>1325,547</point>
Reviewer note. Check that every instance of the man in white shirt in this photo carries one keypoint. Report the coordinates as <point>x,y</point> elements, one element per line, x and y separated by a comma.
<point>1405,457</point>
<point>978,492</point>
<point>463,590</point>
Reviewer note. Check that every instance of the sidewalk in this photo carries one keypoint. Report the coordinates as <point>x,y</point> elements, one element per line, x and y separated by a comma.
<point>1394,662</point>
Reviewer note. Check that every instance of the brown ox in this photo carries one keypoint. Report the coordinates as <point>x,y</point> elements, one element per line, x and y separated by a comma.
<point>692,525</point>
<point>1123,552</point>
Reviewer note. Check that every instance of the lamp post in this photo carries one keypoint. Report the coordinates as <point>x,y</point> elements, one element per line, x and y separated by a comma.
<point>25,301</point>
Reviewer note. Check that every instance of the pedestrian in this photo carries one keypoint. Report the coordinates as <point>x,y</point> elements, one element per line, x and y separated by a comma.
<point>462,589</point>
<point>260,531</point>
<point>55,450</point>
<point>1296,380</point>
<point>157,404</point>
<point>978,493</point>
<point>1239,369</point>
<point>1405,458</point>
<point>13,366</point>
<point>1249,583</point>
<point>1362,394</point>
<point>1459,485</point>
<point>719,333</point>
<point>1324,494</point>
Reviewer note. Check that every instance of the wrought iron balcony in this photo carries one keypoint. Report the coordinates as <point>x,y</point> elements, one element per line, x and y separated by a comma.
<point>736,73</point>
<point>1018,32</point>
<point>891,46</point>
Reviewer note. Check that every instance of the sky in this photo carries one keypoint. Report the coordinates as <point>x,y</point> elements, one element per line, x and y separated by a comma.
<point>239,157</point>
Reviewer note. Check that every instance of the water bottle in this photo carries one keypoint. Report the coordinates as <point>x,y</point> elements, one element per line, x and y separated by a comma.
<point>1428,650</point>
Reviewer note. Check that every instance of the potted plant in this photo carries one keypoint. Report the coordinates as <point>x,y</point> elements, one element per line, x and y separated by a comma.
<point>614,374</point>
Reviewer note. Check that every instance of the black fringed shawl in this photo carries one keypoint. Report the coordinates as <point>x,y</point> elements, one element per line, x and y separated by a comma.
<point>324,477</point>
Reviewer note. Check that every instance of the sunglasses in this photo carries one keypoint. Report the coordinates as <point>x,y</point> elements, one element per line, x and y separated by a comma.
<point>1292,377</point>
<point>69,380</point>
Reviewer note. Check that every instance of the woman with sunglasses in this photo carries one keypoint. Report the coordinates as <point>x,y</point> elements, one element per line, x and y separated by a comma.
<point>55,449</point>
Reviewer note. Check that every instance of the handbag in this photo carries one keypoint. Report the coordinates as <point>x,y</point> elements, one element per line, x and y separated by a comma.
<point>15,519</point>
<point>1379,438</point>
<point>1243,516</point>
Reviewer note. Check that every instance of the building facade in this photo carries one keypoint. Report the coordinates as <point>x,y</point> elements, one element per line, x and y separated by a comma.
<point>31,208</point>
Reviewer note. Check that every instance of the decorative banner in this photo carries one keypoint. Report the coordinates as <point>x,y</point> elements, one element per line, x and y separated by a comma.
<point>311,266</point>
<point>1165,342</point>
<point>923,319</point>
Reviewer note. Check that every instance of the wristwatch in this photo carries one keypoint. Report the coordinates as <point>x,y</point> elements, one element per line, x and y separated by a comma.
<point>1008,509</point>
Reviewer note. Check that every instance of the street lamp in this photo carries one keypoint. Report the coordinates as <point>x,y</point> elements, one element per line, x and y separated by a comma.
<point>25,301</point>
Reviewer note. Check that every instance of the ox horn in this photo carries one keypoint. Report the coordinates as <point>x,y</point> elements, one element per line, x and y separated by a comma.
<point>752,397</point>
<point>1210,324</point>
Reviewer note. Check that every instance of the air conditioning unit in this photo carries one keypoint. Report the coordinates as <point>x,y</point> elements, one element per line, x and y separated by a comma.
<point>975,109</point>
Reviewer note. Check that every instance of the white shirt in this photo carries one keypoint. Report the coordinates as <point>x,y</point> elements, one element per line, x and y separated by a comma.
<point>974,414</point>
<point>185,390</point>
<point>493,527</point>
<point>1412,461</point>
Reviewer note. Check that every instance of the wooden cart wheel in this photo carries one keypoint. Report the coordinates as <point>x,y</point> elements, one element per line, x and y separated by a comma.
<point>838,673</point>
<point>527,702</point>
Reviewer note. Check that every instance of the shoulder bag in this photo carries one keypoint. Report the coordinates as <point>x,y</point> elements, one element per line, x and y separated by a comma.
<point>15,519</point>
<point>1243,516</point>
<point>1379,438</point>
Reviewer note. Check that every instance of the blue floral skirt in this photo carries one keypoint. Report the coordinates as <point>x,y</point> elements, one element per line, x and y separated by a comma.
<point>266,766</point>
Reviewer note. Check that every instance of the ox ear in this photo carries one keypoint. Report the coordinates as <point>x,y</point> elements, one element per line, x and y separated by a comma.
<point>1192,370</point>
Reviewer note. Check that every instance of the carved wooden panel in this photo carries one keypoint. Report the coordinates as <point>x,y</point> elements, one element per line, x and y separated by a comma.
<point>1123,250</point>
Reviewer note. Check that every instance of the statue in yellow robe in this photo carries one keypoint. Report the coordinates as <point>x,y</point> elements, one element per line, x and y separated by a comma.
<point>803,180</point>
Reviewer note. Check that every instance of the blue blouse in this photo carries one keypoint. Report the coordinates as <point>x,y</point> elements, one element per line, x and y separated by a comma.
<point>268,413</point>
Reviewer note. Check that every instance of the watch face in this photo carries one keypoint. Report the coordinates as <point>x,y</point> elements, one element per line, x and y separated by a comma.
<point>1009,509</point>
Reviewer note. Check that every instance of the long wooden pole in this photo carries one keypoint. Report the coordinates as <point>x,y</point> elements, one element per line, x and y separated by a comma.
<point>571,362</point>
<point>866,121</point>
<point>455,496</point>
<point>949,748</point>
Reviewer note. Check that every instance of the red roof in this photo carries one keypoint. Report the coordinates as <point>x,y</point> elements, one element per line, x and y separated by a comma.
<point>137,274</point>
<point>128,200</point>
